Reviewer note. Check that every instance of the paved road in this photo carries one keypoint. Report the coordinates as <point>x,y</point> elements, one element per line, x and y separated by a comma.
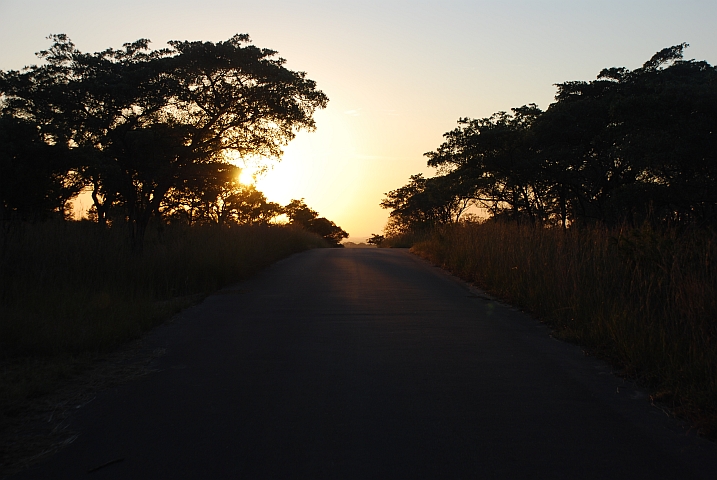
<point>367,364</point>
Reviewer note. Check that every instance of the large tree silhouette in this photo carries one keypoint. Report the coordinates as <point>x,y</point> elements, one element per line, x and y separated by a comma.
<point>627,147</point>
<point>144,121</point>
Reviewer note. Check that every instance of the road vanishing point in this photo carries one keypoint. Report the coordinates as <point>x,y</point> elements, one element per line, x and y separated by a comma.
<point>370,364</point>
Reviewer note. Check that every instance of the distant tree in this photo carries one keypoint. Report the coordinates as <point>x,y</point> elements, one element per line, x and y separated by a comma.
<point>331,232</point>
<point>300,214</point>
<point>144,122</point>
<point>426,202</point>
<point>493,161</point>
<point>376,240</point>
<point>198,198</point>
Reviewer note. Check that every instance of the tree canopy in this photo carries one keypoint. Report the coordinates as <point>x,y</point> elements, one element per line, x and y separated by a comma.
<point>301,215</point>
<point>138,125</point>
<point>629,146</point>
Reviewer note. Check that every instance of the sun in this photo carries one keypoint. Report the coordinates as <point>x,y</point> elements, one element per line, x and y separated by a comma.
<point>246,177</point>
<point>247,171</point>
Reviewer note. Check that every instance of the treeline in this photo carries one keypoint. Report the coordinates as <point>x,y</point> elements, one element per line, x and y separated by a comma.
<point>152,134</point>
<point>629,147</point>
<point>602,216</point>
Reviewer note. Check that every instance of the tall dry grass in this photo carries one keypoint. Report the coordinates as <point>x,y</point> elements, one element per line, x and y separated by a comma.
<point>405,239</point>
<point>645,300</point>
<point>71,292</point>
<point>71,287</point>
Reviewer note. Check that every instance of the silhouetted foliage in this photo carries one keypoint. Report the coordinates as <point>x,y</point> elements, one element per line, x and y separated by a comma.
<point>140,123</point>
<point>217,197</point>
<point>424,202</point>
<point>376,239</point>
<point>36,179</point>
<point>300,214</point>
<point>628,147</point>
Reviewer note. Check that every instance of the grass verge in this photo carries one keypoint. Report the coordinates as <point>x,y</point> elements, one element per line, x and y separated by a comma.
<point>644,300</point>
<point>71,293</point>
<point>72,288</point>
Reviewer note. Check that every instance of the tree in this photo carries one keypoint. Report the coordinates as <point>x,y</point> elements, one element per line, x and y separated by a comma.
<point>198,198</point>
<point>493,158</point>
<point>147,121</point>
<point>376,239</point>
<point>217,197</point>
<point>489,162</point>
<point>426,202</point>
<point>327,229</point>
<point>301,215</point>
<point>35,183</point>
<point>637,144</point>
<point>629,146</point>
<point>245,205</point>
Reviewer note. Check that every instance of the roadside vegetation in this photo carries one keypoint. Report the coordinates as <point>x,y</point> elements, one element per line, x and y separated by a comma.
<point>644,300</point>
<point>157,139</point>
<point>72,293</point>
<point>598,215</point>
<point>73,287</point>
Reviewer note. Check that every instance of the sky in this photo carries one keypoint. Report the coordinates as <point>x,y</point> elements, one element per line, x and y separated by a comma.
<point>398,74</point>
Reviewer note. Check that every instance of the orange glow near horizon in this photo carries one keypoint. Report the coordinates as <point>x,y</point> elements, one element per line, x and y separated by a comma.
<point>396,82</point>
<point>340,171</point>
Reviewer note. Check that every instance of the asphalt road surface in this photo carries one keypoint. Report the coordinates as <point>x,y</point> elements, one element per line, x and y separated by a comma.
<point>371,364</point>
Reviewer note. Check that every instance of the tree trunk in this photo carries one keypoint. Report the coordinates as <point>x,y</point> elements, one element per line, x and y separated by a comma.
<point>140,220</point>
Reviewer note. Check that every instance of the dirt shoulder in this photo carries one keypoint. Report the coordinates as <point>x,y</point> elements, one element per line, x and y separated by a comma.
<point>38,395</point>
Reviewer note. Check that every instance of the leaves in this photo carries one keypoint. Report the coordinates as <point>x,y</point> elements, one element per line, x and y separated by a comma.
<point>300,214</point>
<point>627,147</point>
<point>142,123</point>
